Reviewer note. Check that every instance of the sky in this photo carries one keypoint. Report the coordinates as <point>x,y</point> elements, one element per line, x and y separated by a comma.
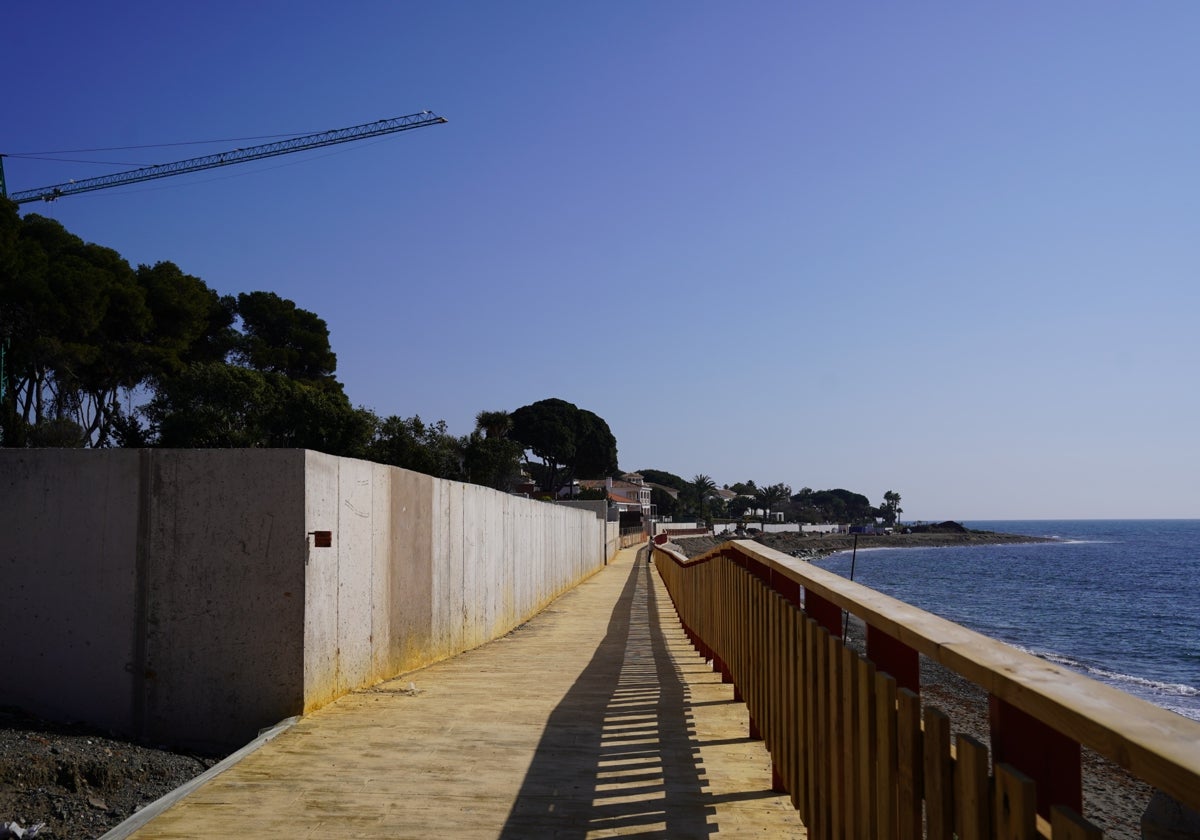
<point>945,249</point>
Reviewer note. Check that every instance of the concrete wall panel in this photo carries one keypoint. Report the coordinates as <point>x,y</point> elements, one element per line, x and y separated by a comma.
<point>321,513</point>
<point>412,569</point>
<point>69,642</point>
<point>224,594</point>
<point>355,547</point>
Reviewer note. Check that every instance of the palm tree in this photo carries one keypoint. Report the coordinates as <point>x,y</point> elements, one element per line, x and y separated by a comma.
<point>703,486</point>
<point>495,424</point>
<point>768,497</point>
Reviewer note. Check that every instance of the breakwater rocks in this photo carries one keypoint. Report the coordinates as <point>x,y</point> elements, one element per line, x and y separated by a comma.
<point>815,546</point>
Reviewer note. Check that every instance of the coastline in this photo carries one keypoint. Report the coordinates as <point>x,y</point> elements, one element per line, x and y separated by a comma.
<point>815,546</point>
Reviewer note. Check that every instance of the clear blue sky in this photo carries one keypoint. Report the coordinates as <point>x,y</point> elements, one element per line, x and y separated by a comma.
<point>940,248</point>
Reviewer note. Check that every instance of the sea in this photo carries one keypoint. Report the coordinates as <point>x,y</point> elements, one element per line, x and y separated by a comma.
<point>1116,600</point>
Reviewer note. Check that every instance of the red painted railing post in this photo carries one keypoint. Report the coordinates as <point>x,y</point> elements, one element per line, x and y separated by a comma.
<point>892,656</point>
<point>824,612</point>
<point>1042,753</point>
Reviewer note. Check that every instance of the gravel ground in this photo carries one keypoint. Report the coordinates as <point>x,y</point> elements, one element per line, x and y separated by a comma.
<point>78,781</point>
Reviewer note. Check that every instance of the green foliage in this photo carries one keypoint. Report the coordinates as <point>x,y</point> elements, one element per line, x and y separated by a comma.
<point>216,405</point>
<point>737,506</point>
<point>190,322</point>
<point>569,441</point>
<point>664,478</point>
<point>771,496</point>
<point>833,506</point>
<point>413,444</point>
<point>702,489</point>
<point>592,494</point>
<point>663,503</point>
<point>76,321</point>
<point>279,337</point>
<point>490,458</point>
<point>93,347</point>
<point>889,509</point>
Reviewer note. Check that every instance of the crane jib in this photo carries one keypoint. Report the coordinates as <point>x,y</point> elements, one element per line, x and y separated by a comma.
<point>282,147</point>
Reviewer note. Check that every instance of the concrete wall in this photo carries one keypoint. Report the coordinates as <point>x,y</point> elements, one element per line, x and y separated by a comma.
<point>612,539</point>
<point>179,596</point>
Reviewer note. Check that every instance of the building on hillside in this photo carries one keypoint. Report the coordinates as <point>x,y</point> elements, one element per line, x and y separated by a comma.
<point>628,494</point>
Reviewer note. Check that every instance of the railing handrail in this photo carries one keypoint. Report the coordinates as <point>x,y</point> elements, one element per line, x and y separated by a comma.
<point>1152,743</point>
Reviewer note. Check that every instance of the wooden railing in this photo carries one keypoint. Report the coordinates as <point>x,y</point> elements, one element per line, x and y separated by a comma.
<point>846,733</point>
<point>682,532</point>
<point>632,535</point>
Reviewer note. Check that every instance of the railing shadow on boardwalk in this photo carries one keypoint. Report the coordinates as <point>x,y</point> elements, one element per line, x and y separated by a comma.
<point>619,752</point>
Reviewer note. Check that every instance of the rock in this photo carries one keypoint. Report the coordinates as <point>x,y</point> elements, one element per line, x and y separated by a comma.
<point>1168,819</point>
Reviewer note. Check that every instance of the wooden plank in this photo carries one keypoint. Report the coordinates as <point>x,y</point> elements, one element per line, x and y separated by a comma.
<point>939,778</point>
<point>819,763</point>
<point>1068,825</point>
<point>865,711</point>
<point>735,624</point>
<point>791,701</point>
<point>908,765</point>
<point>972,813</point>
<point>796,727</point>
<point>808,676</point>
<point>886,777</point>
<point>1015,805</point>
<point>775,709</point>
<point>837,739</point>
<point>850,803</point>
<point>806,741</point>
<point>754,655</point>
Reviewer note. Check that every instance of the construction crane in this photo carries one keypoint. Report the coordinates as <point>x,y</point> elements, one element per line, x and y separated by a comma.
<point>283,147</point>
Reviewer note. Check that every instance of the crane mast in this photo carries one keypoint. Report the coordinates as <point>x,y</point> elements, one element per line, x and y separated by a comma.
<point>282,147</point>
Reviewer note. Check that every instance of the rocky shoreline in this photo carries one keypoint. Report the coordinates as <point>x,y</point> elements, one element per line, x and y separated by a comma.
<point>814,546</point>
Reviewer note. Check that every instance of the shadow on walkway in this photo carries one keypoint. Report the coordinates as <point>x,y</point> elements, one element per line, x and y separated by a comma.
<point>619,753</point>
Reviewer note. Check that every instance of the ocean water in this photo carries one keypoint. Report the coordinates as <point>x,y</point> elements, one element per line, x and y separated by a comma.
<point>1117,600</point>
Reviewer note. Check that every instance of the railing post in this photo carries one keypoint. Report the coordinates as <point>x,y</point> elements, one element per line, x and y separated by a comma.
<point>894,657</point>
<point>826,613</point>
<point>1040,752</point>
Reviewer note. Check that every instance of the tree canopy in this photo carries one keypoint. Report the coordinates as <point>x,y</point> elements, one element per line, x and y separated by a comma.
<point>100,354</point>
<point>664,478</point>
<point>570,442</point>
<point>889,509</point>
<point>836,505</point>
<point>771,496</point>
<point>490,456</point>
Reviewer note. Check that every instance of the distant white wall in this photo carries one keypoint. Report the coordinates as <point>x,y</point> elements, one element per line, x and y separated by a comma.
<point>783,527</point>
<point>180,595</point>
<point>824,528</point>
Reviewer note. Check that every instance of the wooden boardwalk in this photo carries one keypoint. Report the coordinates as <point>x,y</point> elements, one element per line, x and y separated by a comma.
<point>594,719</point>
